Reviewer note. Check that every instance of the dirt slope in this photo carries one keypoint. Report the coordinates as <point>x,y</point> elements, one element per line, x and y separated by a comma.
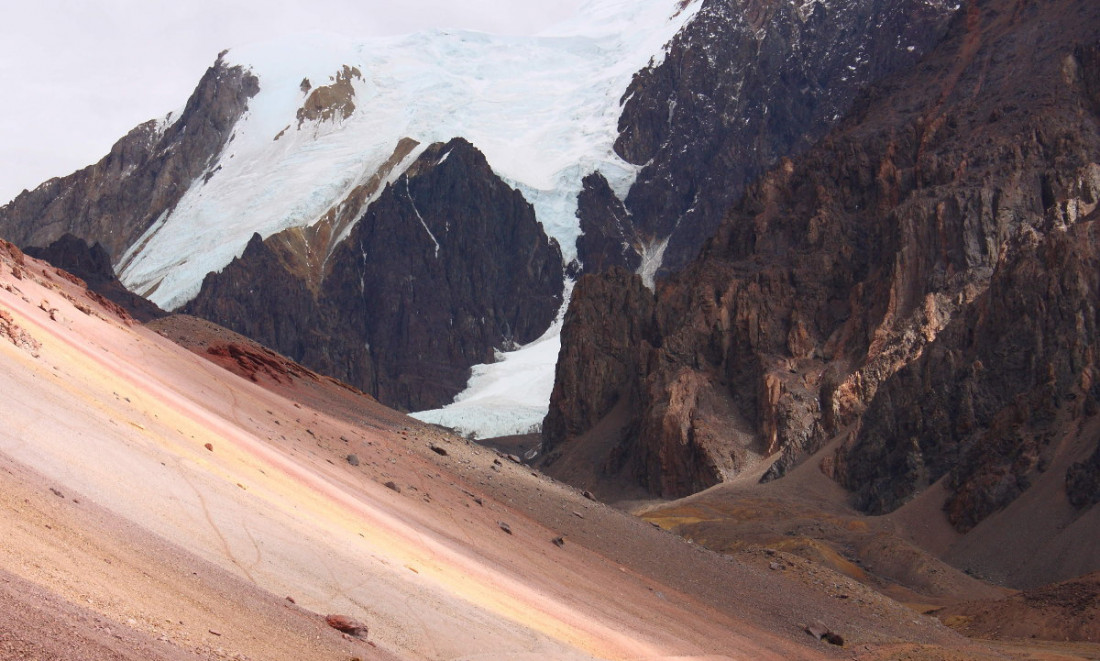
<point>193,502</point>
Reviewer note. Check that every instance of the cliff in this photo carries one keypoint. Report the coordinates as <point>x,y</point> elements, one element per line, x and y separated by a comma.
<point>852,291</point>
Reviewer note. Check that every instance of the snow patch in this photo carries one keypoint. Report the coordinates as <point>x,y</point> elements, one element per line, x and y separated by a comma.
<point>653,255</point>
<point>509,396</point>
<point>423,224</point>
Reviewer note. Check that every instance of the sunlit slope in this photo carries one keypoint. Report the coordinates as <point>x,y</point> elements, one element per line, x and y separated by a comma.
<point>225,471</point>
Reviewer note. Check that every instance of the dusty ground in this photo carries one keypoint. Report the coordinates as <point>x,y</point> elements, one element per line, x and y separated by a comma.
<point>1061,612</point>
<point>194,502</point>
<point>802,526</point>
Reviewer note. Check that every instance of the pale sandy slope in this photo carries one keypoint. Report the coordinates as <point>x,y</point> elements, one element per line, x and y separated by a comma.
<point>126,537</point>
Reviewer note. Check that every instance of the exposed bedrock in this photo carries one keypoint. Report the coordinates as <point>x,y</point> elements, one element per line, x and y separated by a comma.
<point>851,289</point>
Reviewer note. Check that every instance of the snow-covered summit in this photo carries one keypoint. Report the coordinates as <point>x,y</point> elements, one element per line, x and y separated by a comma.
<point>543,110</point>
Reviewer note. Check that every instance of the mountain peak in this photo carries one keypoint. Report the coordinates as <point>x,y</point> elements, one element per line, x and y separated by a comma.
<point>542,109</point>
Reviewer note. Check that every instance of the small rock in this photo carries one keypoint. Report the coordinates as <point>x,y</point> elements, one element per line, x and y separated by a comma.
<point>291,599</point>
<point>393,485</point>
<point>821,632</point>
<point>773,566</point>
<point>438,450</point>
<point>505,527</point>
<point>353,459</point>
<point>216,633</point>
<point>588,495</point>
<point>209,446</point>
<point>347,625</point>
<point>56,493</point>
<point>558,542</point>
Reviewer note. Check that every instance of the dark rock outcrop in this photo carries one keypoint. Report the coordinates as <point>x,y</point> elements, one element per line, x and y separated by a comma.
<point>744,84</point>
<point>93,265</point>
<point>946,200</point>
<point>446,266</point>
<point>147,172</point>
<point>1083,481</point>
<point>263,297</point>
<point>608,238</point>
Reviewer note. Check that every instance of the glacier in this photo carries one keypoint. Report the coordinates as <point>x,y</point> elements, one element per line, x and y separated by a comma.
<point>543,109</point>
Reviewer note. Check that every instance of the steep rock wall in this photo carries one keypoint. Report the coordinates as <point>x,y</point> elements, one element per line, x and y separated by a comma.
<point>746,83</point>
<point>840,268</point>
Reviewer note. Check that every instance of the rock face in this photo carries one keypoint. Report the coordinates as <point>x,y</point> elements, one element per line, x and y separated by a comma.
<point>1083,482</point>
<point>615,314</point>
<point>745,83</point>
<point>446,266</point>
<point>990,402</point>
<point>921,282</point>
<point>114,201</point>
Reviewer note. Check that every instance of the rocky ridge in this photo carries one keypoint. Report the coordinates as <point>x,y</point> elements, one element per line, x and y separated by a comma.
<point>1003,386</point>
<point>116,200</point>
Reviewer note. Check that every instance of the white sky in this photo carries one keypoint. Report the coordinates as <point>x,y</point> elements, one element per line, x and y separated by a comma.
<point>77,75</point>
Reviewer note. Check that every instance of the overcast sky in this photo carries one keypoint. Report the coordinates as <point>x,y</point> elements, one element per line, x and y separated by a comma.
<point>77,75</point>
